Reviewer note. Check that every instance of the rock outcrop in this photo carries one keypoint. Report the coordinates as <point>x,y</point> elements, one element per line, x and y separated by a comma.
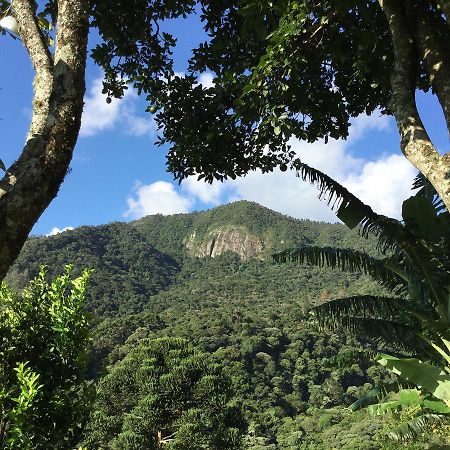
<point>223,239</point>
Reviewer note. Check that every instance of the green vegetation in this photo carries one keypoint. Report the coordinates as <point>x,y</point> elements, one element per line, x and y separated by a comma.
<point>165,393</point>
<point>294,382</point>
<point>44,395</point>
<point>414,319</point>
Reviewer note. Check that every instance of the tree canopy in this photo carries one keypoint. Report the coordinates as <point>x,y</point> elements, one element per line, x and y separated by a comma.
<point>166,393</point>
<point>44,333</point>
<point>282,68</point>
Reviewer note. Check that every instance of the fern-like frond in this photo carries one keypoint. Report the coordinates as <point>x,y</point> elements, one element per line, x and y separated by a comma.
<point>346,260</point>
<point>385,334</point>
<point>427,190</point>
<point>364,307</point>
<point>351,210</point>
<point>382,320</point>
<point>414,427</point>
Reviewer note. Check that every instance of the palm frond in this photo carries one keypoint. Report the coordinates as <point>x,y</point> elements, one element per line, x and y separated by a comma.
<point>364,307</point>
<point>379,319</point>
<point>427,190</point>
<point>414,427</point>
<point>346,260</point>
<point>351,210</point>
<point>386,334</point>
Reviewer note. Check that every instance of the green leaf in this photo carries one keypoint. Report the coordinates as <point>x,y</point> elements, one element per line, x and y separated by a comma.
<point>351,214</point>
<point>2,166</point>
<point>437,406</point>
<point>418,213</point>
<point>423,375</point>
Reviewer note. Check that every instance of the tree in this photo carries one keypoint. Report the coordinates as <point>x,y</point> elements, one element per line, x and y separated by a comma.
<point>283,68</point>
<point>133,40</point>
<point>44,397</point>
<point>165,394</point>
<point>303,68</point>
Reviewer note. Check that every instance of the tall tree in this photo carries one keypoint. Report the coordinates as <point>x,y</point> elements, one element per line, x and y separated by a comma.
<point>165,394</point>
<point>303,68</point>
<point>283,68</point>
<point>33,181</point>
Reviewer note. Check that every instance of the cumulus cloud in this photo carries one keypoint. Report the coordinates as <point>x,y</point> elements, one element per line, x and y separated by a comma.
<point>56,230</point>
<point>99,116</point>
<point>205,192</point>
<point>156,198</point>
<point>383,183</point>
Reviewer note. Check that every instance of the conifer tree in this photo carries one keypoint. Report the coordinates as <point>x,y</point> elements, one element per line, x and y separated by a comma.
<point>165,394</point>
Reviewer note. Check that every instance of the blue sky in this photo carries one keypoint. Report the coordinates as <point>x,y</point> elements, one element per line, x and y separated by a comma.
<point>118,174</point>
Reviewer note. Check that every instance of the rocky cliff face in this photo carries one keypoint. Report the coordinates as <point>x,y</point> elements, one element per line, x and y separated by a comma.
<point>223,239</point>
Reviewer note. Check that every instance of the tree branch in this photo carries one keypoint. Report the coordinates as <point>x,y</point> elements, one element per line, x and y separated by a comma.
<point>433,40</point>
<point>415,142</point>
<point>445,8</point>
<point>33,180</point>
<point>41,59</point>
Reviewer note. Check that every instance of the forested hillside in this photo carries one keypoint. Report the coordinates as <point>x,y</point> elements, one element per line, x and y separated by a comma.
<point>251,315</point>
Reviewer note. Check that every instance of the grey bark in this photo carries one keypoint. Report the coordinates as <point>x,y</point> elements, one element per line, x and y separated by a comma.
<point>33,181</point>
<point>415,143</point>
<point>433,42</point>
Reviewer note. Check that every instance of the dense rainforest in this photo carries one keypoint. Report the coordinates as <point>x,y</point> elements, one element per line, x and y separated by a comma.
<point>241,326</point>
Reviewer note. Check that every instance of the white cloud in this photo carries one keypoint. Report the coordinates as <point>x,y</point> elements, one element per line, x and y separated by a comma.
<point>383,183</point>
<point>56,230</point>
<point>156,198</point>
<point>363,123</point>
<point>207,193</point>
<point>206,79</point>
<point>99,116</point>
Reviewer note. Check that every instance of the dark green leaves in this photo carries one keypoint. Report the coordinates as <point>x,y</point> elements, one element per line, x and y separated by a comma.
<point>419,215</point>
<point>165,391</point>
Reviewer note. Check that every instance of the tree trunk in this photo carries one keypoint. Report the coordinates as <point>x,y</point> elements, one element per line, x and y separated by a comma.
<point>410,43</point>
<point>33,181</point>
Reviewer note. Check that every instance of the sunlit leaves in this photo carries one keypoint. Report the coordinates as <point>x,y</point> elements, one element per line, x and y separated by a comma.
<point>43,337</point>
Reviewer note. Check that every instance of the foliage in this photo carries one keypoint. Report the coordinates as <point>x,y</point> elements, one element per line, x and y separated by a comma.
<point>165,393</point>
<point>140,260</point>
<point>43,358</point>
<point>251,314</point>
<point>417,272</point>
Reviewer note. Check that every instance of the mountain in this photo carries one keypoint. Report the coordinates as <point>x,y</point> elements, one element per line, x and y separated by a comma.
<point>209,277</point>
<point>136,261</point>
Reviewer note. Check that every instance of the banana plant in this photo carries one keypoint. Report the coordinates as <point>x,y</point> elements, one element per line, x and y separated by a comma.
<point>413,322</point>
<point>414,269</point>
